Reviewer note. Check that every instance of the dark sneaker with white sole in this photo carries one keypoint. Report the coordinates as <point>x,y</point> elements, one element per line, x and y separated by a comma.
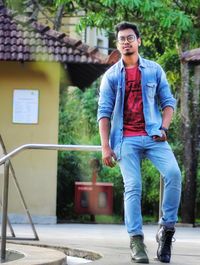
<point>138,250</point>
<point>164,238</point>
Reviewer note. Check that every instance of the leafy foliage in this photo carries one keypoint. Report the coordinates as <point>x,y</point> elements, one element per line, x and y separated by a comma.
<point>175,19</point>
<point>68,173</point>
<point>77,125</point>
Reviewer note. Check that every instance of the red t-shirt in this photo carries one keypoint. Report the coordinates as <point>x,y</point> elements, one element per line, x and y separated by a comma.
<point>134,124</point>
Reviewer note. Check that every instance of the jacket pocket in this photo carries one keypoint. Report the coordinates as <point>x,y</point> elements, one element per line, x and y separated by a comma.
<point>151,89</point>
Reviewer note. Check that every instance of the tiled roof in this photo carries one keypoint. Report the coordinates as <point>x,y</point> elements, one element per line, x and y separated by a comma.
<point>192,56</point>
<point>24,39</point>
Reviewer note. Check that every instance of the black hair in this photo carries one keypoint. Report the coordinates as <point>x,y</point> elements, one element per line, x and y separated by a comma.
<point>126,25</point>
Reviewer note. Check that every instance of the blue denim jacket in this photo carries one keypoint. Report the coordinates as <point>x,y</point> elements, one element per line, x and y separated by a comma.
<point>156,96</point>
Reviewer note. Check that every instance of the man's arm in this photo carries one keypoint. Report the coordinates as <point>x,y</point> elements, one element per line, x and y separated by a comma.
<point>166,120</point>
<point>167,102</point>
<point>167,117</point>
<point>107,153</point>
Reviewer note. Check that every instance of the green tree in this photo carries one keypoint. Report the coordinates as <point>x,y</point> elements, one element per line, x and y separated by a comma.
<point>32,8</point>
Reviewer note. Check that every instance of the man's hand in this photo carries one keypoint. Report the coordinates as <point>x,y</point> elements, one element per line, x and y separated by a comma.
<point>162,138</point>
<point>108,156</point>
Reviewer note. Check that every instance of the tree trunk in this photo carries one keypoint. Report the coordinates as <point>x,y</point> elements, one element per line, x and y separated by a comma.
<point>31,9</point>
<point>196,123</point>
<point>188,194</point>
<point>58,17</point>
<point>196,107</point>
<point>195,112</point>
<point>190,135</point>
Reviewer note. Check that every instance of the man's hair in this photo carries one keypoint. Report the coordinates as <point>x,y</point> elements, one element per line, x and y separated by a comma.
<point>126,25</point>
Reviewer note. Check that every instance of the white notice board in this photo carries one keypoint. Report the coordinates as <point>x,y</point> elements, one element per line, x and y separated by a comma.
<point>25,106</point>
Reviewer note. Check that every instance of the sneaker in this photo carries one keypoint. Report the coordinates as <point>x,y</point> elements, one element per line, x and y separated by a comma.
<point>164,238</point>
<point>138,250</point>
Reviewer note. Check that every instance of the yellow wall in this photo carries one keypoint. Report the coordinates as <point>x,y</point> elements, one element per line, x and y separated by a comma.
<point>36,170</point>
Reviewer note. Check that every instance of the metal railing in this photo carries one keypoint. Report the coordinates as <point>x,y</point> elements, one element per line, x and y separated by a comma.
<point>6,161</point>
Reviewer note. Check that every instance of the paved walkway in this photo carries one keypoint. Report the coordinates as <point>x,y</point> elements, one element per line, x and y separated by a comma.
<point>112,242</point>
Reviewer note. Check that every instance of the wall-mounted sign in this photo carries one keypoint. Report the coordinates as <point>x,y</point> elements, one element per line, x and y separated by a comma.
<point>25,106</point>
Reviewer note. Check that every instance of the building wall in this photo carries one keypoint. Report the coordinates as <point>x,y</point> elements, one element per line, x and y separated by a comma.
<point>92,36</point>
<point>36,170</point>
<point>97,38</point>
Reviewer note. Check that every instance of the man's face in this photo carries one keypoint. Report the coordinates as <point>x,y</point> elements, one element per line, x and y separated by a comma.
<point>127,42</point>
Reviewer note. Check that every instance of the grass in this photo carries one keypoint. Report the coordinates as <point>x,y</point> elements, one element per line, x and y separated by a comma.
<point>109,219</point>
<point>112,219</point>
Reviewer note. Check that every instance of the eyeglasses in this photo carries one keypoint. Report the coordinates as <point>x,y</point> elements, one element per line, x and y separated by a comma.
<point>129,38</point>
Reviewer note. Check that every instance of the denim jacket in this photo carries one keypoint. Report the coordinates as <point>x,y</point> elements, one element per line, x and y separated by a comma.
<point>156,96</point>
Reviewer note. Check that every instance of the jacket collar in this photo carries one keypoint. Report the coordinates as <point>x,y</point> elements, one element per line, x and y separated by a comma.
<point>141,63</point>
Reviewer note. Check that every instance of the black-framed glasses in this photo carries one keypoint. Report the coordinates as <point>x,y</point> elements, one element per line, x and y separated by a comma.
<point>129,38</point>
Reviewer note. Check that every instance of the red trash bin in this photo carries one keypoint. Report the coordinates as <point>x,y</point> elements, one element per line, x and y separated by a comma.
<point>94,197</point>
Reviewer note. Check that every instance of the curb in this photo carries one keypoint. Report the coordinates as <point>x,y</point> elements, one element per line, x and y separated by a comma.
<point>34,255</point>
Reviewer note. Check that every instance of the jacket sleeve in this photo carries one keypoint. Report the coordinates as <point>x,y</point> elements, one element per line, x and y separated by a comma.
<point>164,93</point>
<point>106,97</point>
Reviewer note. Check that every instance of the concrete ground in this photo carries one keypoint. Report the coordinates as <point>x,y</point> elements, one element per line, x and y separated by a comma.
<point>111,242</point>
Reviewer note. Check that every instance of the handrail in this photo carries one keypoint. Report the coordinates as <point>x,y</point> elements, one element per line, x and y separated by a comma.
<point>5,160</point>
<point>50,147</point>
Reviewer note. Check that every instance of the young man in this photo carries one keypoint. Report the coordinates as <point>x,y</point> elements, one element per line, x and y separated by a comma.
<point>131,126</point>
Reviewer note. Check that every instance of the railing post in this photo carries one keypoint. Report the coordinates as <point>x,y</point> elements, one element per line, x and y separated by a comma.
<point>4,211</point>
<point>161,197</point>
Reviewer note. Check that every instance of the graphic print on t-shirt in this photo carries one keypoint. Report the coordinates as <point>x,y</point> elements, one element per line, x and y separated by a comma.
<point>133,106</point>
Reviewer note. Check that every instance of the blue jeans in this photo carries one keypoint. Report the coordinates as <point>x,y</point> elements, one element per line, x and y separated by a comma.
<point>133,150</point>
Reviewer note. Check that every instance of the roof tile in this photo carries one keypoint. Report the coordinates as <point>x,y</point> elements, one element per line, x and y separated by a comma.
<point>24,39</point>
<point>21,34</point>
<point>192,56</point>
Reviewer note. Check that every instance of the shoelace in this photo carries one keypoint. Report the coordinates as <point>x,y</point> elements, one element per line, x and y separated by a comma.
<point>167,243</point>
